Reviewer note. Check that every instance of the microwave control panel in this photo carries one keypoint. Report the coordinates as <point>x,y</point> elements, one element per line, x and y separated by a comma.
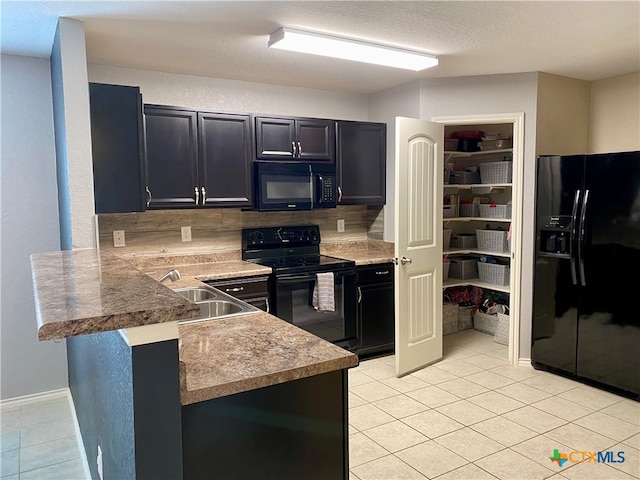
<point>327,186</point>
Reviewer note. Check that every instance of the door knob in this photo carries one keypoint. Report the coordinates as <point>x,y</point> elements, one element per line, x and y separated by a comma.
<point>405,260</point>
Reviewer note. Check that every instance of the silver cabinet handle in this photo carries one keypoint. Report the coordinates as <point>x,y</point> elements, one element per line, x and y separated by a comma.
<point>235,289</point>
<point>339,194</point>
<point>148,195</point>
<point>583,214</point>
<point>293,148</point>
<point>299,150</point>
<point>204,195</point>
<point>359,295</point>
<point>197,195</point>
<point>266,302</point>
<point>405,260</point>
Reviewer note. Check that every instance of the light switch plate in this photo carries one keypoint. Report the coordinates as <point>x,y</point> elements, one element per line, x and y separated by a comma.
<point>341,225</point>
<point>118,238</point>
<point>186,233</point>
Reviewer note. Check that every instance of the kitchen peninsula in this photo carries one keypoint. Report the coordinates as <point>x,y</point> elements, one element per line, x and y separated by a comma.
<point>247,396</point>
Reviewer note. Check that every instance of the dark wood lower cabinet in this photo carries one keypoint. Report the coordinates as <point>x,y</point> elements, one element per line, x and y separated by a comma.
<point>376,309</point>
<point>291,431</point>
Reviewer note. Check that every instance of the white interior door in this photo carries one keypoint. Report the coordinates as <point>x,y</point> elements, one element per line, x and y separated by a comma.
<point>418,243</point>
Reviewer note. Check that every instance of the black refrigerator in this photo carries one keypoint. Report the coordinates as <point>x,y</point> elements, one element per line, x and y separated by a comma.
<point>586,299</point>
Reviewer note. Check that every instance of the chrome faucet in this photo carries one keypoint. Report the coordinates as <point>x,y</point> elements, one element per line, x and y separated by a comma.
<point>172,275</point>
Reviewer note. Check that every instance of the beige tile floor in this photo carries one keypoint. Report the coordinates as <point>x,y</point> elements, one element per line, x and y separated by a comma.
<point>470,416</point>
<point>474,416</point>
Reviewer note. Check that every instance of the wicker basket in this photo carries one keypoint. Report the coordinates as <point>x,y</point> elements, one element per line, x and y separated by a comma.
<point>485,323</point>
<point>445,270</point>
<point>449,318</point>
<point>494,211</point>
<point>449,211</point>
<point>465,320</point>
<point>496,172</point>
<point>469,210</point>
<point>446,238</point>
<point>492,241</point>
<point>502,330</point>
<point>463,268</point>
<point>463,240</point>
<point>464,178</point>
<point>493,273</point>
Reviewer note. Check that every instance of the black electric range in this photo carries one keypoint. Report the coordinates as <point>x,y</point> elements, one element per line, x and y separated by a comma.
<point>293,252</point>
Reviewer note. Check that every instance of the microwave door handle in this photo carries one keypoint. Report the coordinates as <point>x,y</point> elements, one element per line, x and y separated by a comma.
<point>311,186</point>
<point>320,180</point>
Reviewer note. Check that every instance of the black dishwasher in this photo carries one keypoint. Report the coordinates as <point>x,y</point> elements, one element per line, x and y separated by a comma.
<point>376,309</point>
<point>252,290</point>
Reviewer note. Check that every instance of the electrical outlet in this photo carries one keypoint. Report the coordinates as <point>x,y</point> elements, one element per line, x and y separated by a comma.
<point>118,238</point>
<point>341,225</point>
<point>186,234</point>
<point>99,463</point>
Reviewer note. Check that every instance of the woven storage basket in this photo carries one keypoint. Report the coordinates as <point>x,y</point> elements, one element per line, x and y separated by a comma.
<point>493,273</point>
<point>465,320</point>
<point>496,211</point>
<point>496,172</point>
<point>449,318</point>
<point>492,241</point>
<point>449,211</point>
<point>445,270</point>
<point>469,210</point>
<point>463,240</point>
<point>464,178</point>
<point>463,268</point>
<point>502,330</point>
<point>446,239</point>
<point>485,323</point>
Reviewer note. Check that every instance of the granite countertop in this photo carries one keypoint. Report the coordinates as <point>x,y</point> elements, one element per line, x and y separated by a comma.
<point>212,270</point>
<point>368,252</point>
<point>237,354</point>
<point>79,292</point>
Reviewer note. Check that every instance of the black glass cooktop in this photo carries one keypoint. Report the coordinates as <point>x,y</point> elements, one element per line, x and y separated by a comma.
<point>303,262</point>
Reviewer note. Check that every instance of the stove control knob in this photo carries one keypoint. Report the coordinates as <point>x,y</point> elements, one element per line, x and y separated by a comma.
<point>259,237</point>
<point>300,233</point>
<point>252,238</point>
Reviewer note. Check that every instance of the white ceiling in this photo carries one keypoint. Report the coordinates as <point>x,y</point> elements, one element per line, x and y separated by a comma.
<point>228,39</point>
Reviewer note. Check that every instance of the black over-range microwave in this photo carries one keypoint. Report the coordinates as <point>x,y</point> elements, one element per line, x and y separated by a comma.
<point>294,186</point>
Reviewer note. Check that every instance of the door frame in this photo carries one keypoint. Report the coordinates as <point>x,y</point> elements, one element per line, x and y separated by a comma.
<point>517,184</point>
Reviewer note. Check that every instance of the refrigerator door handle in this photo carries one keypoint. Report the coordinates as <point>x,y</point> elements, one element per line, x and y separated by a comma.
<point>574,224</point>
<point>583,214</point>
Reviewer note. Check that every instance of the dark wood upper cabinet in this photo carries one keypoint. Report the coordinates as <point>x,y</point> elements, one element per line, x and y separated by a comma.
<point>282,138</point>
<point>117,142</point>
<point>198,159</point>
<point>225,159</point>
<point>172,157</point>
<point>361,154</point>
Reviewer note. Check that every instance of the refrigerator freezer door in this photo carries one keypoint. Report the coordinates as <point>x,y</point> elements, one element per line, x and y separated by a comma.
<point>555,300</point>
<point>609,323</point>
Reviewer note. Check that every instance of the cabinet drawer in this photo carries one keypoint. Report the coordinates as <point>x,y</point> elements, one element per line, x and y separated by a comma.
<point>243,287</point>
<point>382,273</point>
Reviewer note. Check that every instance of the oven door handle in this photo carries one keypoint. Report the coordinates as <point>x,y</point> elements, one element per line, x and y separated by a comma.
<point>284,280</point>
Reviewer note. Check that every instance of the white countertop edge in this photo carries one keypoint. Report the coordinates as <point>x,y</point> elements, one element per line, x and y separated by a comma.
<point>158,332</point>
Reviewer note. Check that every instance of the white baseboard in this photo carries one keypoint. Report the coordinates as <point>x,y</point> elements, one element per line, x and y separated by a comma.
<point>36,397</point>
<point>524,362</point>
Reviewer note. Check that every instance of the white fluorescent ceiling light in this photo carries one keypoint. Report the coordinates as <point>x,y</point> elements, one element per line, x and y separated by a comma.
<point>350,49</point>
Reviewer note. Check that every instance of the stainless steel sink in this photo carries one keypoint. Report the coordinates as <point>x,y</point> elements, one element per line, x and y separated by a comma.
<point>197,294</point>
<point>214,304</point>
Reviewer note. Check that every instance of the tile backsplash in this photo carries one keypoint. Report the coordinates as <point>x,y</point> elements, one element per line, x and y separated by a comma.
<point>157,232</point>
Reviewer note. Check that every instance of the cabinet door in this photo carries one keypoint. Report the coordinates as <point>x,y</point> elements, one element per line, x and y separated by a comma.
<point>316,140</point>
<point>118,148</point>
<point>275,138</point>
<point>172,172</point>
<point>225,159</point>
<point>361,155</point>
<point>376,319</point>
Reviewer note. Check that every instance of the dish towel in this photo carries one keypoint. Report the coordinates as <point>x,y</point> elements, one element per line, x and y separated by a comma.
<point>323,294</point>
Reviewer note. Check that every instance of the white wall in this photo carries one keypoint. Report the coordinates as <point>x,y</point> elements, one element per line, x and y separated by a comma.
<point>29,225</point>
<point>232,95</point>
<point>615,114</point>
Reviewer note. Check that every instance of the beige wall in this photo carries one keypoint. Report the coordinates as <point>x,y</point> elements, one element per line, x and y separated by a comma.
<point>562,115</point>
<point>615,114</point>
